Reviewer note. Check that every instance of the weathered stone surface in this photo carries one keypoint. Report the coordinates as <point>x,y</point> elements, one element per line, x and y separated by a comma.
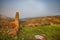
<point>12,25</point>
<point>39,37</point>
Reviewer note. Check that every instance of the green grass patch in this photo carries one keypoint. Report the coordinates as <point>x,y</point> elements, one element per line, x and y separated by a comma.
<point>51,32</point>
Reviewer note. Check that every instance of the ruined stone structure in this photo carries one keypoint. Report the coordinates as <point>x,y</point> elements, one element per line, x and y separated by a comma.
<point>15,24</point>
<point>16,21</point>
<point>12,25</point>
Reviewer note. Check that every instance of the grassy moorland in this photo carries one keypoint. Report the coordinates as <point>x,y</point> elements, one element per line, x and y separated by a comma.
<point>49,28</point>
<point>51,32</point>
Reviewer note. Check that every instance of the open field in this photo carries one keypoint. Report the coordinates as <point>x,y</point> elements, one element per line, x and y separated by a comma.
<point>51,32</point>
<point>47,27</point>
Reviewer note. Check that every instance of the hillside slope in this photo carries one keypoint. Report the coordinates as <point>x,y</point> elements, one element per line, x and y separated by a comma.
<point>5,19</point>
<point>42,20</point>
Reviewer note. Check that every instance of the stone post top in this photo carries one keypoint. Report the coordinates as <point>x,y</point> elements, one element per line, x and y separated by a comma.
<point>17,16</point>
<point>17,13</point>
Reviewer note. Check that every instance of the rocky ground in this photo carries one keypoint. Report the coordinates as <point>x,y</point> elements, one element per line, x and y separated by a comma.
<point>45,28</point>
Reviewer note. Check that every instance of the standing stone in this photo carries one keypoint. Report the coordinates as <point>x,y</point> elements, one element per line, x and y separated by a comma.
<point>17,19</point>
<point>14,30</point>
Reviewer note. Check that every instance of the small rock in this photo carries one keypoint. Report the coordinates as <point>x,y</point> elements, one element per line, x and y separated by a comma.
<point>22,38</point>
<point>39,37</point>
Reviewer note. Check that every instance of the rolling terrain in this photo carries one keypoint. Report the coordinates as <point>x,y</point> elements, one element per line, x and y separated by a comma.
<point>48,26</point>
<point>41,21</point>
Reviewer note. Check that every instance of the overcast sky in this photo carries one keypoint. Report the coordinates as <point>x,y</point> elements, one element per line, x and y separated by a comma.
<point>29,8</point>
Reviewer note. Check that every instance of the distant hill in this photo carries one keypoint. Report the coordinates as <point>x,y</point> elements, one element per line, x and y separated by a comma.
<point>24,19</point>
<point>41,20</point>
<point>34,20</point>
<point>5,18</point>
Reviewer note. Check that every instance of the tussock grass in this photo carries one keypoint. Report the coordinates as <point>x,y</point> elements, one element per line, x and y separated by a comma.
<point>50,32</point>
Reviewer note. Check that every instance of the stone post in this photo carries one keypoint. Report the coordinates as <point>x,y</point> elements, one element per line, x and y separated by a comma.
<point>17,21</point>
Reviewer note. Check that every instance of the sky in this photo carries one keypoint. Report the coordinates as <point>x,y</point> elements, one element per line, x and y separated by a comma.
<point>29,8</point>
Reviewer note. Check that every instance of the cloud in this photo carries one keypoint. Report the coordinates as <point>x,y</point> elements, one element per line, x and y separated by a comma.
<point>29,8</point>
